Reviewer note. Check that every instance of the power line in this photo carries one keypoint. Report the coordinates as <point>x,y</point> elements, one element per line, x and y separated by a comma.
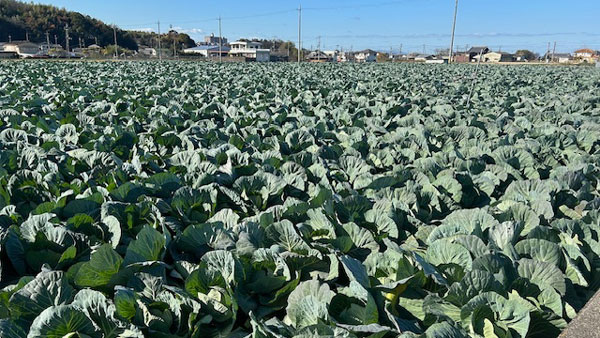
<point>357,6</point>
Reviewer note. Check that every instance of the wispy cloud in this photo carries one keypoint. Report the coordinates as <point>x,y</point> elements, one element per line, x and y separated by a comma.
<point>144,29</point>
<point>189,30</point>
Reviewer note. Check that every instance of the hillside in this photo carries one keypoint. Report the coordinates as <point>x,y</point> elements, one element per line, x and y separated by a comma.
<point>18,19</point>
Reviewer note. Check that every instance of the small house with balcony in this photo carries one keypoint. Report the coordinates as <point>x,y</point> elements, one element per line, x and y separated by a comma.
<point>250,51</point>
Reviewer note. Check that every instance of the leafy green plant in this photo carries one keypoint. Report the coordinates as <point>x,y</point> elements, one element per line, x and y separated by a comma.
<point>253,200</point>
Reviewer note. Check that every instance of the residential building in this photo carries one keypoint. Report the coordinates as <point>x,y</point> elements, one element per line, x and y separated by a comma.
<point>474,52</point>
<point>23,48</point>
<point>498,57</point>
<point>207,50</point>
<point>318,57</point>
<point>334,55</point>
<point>423,57</point>
<point>51,49</point>
<point>558,57</point>
<point>146,51</point>
<point>250,50</point>
<point>462,57</point>
<point>366,55</point>
<point>585,55</point>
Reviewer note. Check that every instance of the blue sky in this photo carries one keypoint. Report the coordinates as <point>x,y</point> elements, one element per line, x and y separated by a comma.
<point>378,24</point>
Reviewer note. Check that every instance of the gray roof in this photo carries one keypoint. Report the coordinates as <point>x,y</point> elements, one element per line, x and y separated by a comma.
<point>478,49</point>
<point>317,55</point>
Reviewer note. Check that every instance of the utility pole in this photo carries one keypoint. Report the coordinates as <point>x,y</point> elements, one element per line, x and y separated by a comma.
<point>48,40</point>
<point>96,40</point>
<point>174,51</point>
<point>67,41</point>
<point>220,42</point>
<point>319,48</point>
<point>451,56</point>
<point>553,51</point>
<point>547,52</point>
<point>159,49</point>
<point>26,36</point>
<point>116,45</point>
<point>299,33</point>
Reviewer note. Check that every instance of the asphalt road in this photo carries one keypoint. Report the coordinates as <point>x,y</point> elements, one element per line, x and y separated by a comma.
<point>587,322</point>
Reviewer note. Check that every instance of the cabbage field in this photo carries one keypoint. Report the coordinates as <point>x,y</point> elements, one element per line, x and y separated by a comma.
<point>182,199</point>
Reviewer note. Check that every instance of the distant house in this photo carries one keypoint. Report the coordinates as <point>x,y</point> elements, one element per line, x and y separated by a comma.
<point>498,57</point>
<point>462,57</point>
<point>146,51</point>
<point>558,57</point>
<point>423,57</point>
<point>563,57</point>
<point>47,48</point>
<point>366,55</point>
<point>207,50</point>
<point>5,54</point>
<point>438,59</point>
<point>585,55</point>
<point>334,55</point>
<point>474,52</point>
<point>25,49</point>
<point>318,57</point>
<point>251,51</point>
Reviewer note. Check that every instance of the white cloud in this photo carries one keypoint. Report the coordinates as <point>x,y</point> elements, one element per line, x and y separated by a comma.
<point>188,30</point>
<point>145,29</point>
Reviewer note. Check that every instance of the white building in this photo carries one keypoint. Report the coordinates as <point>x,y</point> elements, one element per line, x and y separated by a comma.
<point>334,55</point>
<point>366,55</point>
<point>584,53</point>
<point>23,48</point>
<point>249,50</point>
<point>147,51</point>
<point>424,57</point>
<point>207,51</point>
<point>45,48</point>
